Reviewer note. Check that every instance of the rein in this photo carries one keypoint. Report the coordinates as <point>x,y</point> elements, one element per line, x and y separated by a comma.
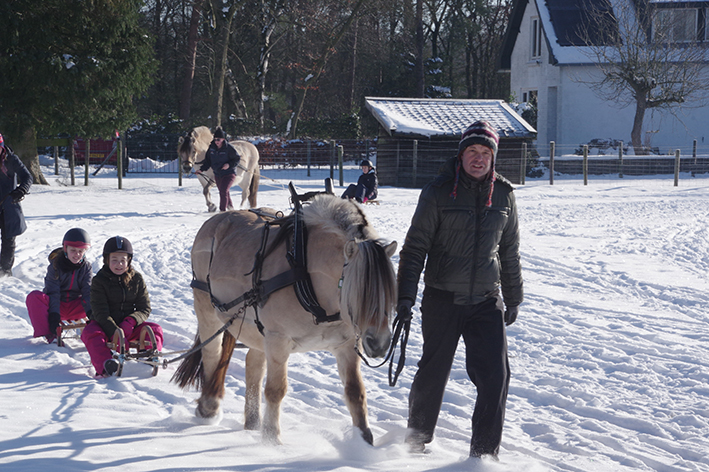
<point>402,326</point>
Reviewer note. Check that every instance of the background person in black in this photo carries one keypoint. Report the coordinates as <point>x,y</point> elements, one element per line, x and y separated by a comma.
<point>15,183</point>
<point>367,184</point>
<point>223,159</point>
<point>466,231</point>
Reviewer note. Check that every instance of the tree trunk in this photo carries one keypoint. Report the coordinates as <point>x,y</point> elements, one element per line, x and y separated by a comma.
<point>420,79</point>
<point>264,59</point>
<point>222,49</point>
<point>636,136</point>
<point>24,143</point>
<point>190,61</point>
<point>353,67</point>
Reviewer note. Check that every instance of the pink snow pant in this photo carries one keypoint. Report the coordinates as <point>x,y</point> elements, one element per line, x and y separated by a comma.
<point>38,308</point>
<point>95,340</point>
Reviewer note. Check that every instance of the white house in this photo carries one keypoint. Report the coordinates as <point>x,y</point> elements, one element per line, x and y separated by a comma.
<point>550,63</point>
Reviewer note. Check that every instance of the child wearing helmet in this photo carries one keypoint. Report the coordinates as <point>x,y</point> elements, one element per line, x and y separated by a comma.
<point>67,287</point>
<point>119,299</point>
<point>367,184</point>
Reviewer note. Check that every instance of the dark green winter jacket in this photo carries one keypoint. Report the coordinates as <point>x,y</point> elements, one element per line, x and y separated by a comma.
<point>114,298</point>
<point>468,248</point>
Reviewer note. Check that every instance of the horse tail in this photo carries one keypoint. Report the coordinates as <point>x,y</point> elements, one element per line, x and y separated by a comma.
<point>190,371</point>
<point>215,386</point>
<point>253,187</point>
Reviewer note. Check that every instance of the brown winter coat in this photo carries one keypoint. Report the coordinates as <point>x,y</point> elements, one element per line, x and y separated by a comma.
<point>114,298</point>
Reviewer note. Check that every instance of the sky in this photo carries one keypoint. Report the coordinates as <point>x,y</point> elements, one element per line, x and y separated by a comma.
<point>609,355</point>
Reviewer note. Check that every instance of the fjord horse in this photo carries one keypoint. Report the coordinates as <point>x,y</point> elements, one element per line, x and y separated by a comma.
<point>192,149</point>
<point>351,273</point>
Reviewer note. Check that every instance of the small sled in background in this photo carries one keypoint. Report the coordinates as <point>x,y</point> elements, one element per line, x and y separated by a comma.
<point>70,325</point>
<point>143,350</point>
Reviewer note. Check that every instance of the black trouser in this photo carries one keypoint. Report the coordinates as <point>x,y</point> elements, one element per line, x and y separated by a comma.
<point>483,330</point>
<point>7,247</point>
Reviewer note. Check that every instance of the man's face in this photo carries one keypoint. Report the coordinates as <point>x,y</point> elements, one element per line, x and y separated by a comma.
<point>477,161</point>
<point>219,142</point>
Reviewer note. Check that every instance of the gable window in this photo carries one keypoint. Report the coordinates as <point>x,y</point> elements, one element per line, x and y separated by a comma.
<point>678,25</point>
<point>536,39</point>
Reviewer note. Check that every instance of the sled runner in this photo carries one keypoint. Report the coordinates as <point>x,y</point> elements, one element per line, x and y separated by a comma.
<point>142,350</point>
<point>68,325</point>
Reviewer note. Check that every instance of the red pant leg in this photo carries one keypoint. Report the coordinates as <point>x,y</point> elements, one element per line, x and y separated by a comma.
<point>38,308</point>
<point>95,341</point>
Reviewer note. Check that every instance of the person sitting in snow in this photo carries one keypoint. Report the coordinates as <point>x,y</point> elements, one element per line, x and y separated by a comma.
<point>366,188</point>
<point>67,287</point>
<point>119,300</point>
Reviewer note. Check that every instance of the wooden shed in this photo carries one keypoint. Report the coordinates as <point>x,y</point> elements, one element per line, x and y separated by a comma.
<point>416,136</point>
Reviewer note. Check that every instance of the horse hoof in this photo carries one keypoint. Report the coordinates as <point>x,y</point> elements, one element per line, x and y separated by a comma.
<point>208,409</point>
<point>212,208</point>
<point>252,424</point>
<point>368,436</point>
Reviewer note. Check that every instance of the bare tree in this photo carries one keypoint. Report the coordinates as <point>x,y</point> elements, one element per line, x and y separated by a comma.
<point>646,59</point>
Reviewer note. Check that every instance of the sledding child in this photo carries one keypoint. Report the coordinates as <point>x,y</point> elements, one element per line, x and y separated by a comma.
<point>67,287</point>
<point>119,299</point>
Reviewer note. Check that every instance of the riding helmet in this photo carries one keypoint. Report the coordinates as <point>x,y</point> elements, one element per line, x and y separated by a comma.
<point>367,163</point>
<point>77,237</point>
<point>117,244</point>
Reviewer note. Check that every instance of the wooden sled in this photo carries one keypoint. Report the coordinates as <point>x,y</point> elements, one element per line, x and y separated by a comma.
<point>143,350</point>
<point>70,325</point>
<point>372,202</point>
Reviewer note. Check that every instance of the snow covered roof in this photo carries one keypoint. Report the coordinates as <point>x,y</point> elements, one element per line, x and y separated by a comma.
<point>427,117</point>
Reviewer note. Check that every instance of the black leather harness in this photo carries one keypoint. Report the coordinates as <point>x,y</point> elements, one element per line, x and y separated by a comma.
<point>297,276</point>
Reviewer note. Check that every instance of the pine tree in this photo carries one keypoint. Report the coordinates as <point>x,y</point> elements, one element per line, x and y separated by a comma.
<point>70,67</point>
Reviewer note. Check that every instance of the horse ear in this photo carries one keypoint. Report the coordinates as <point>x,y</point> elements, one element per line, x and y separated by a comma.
<point>350,249</point>
<point>390,248</point>
<point>180,141</point>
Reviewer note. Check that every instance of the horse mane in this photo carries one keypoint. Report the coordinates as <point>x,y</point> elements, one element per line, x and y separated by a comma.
<point>369,287</point>
<point>330,214</point>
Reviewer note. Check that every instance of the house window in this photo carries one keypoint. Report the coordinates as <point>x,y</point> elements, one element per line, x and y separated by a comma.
<point>676,25</point>
<point>536,38</point>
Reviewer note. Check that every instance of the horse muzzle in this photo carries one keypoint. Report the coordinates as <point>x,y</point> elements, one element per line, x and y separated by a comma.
<point>376,344</point>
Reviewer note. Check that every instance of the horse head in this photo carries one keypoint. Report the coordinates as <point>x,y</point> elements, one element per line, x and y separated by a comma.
<point>369,292</point>
<point>187,152</point>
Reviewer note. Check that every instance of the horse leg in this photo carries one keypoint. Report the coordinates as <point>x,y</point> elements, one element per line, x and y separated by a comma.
<point>253,188</point>
<point>245,188</point>
<point>255,370</point>
<point>206,191</point>
<point>215,357</point>
<point>274,391</point>
<point>355,396</point>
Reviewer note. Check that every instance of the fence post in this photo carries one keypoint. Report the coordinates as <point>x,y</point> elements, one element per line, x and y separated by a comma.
<point>398,149</point>
<point>340,156</point>
<point>620,158</point>
<point>309,142</point>
<point>118,157</point>
<point>676,167</point>
<point>694,151</point>
<point>585,164</point>
<point>332,159</point>
<point>72,162</point>
<point>414,164</point>
<point>119,162</point>
<point>523,164</point>
<point>87,156</point>
<point>56,160</point>
<point>552,150</point>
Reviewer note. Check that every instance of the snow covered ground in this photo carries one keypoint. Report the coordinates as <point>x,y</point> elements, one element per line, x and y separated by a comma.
<point>609,356</point>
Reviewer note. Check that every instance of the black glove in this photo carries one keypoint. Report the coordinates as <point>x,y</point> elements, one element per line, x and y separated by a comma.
<point>17,195</point>
<point>54,320</point>
<point>511,314</point>
<point>403,309</point>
